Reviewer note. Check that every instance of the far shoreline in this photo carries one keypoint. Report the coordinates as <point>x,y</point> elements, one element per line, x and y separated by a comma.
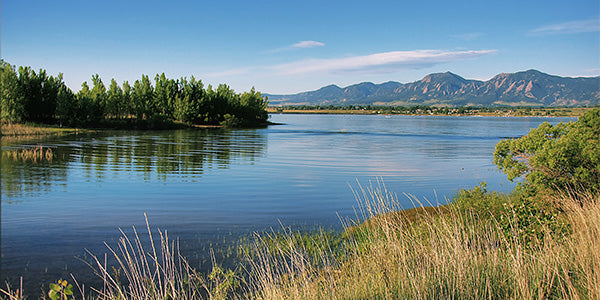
<point>434,111</point>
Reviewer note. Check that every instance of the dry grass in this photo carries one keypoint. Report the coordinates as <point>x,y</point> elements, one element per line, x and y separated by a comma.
<point>147,270</point>
<point>157,272</point>
<point>13,294</point>
<point>443,255</point>
<point>33,130</point>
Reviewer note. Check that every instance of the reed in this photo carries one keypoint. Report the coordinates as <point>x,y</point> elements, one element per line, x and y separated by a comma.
<point>157,271</point>
<point>16,294</point>
<point>35,154</point>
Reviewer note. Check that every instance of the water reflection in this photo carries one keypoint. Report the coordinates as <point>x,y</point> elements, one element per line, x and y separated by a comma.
<point>186,154</point>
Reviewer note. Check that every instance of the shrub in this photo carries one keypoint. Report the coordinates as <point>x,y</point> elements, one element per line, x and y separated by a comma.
<point>564,157</point>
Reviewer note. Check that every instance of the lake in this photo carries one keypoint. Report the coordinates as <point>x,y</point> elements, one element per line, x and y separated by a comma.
<point>211,187</point>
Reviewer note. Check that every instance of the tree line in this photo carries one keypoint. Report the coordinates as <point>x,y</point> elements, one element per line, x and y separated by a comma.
<point>29,96</point>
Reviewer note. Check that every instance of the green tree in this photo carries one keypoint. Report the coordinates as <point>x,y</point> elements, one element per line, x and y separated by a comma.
<point>254,107</point>
<point>142,96</point>
<point>85,113</point>
<point>564,157</point>
<point>67,112</point>
<point>114,100</point>
<point>189,101</point>
<point>12,108</point>
<point>165,93</point>
<point>219,103</point>
<point>39,93</point>
<point>127,102</point>
<point>98,94</point>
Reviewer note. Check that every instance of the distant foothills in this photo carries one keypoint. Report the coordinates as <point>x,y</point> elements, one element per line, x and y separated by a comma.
<point>527,88</point>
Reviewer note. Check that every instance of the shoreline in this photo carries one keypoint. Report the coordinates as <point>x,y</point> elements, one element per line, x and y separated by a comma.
<point>545,112</point>
<point>20,130</point>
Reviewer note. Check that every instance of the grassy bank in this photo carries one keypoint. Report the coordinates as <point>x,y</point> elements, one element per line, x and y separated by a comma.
<point>35,130</point>
<point>424,253</point>
<point>30,129</point>
<point>445,253</point>
<point>31,133</point>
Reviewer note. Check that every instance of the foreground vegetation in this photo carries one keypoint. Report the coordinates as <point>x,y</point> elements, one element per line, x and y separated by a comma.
<point>540,241</point>
<point>432,110</point>
<point>445,255</point>
<point>29,96</point>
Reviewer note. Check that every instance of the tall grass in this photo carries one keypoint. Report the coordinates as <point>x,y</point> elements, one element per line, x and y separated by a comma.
<point>444,254</point>
<point>157,271</point>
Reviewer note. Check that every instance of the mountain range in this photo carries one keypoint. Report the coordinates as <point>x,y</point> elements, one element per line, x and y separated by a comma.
<point>530,87</point>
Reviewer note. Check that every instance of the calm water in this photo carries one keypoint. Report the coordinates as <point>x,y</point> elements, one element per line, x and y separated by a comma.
<point>208,187</point>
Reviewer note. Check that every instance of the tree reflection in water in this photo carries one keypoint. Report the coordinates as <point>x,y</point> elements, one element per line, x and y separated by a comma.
<point>156,155</point>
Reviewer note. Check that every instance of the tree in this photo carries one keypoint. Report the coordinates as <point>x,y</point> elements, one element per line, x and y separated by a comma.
<point>127,102</point>
<point>564,157</point>
<point>219,103</point>
<point>38,94</point>
<point>66,107</point>
<point>12,107</point>
<point>114,100</point>
<point>165,92</point>
<point>188,103</point>
<point>99,98</point>
<point>29,96</point>
<point>254,107</point>
<point>142,96</point>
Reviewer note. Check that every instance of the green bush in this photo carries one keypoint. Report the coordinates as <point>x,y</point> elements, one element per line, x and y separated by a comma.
<point>480,200</point>
<point>564,157</point>
<point>522,215</point>
<point>230,121</point>
<point>528,217</point>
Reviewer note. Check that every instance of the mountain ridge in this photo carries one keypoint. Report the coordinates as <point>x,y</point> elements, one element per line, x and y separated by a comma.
<point>530,87</point>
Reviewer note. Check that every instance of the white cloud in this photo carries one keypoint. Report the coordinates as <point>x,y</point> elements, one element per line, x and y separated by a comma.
<point>378,62</point>
<point>307,44</point>
<point>580,26</point>
<point>298,45</point>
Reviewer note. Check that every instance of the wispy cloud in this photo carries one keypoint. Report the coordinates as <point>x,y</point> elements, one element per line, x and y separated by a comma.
<point>298,45</point>
<point>307,44</point>
<point>579,26</point>
<point>378,62</point>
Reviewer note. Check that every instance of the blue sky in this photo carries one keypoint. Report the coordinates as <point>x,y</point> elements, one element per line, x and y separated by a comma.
<point>293,46</point>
